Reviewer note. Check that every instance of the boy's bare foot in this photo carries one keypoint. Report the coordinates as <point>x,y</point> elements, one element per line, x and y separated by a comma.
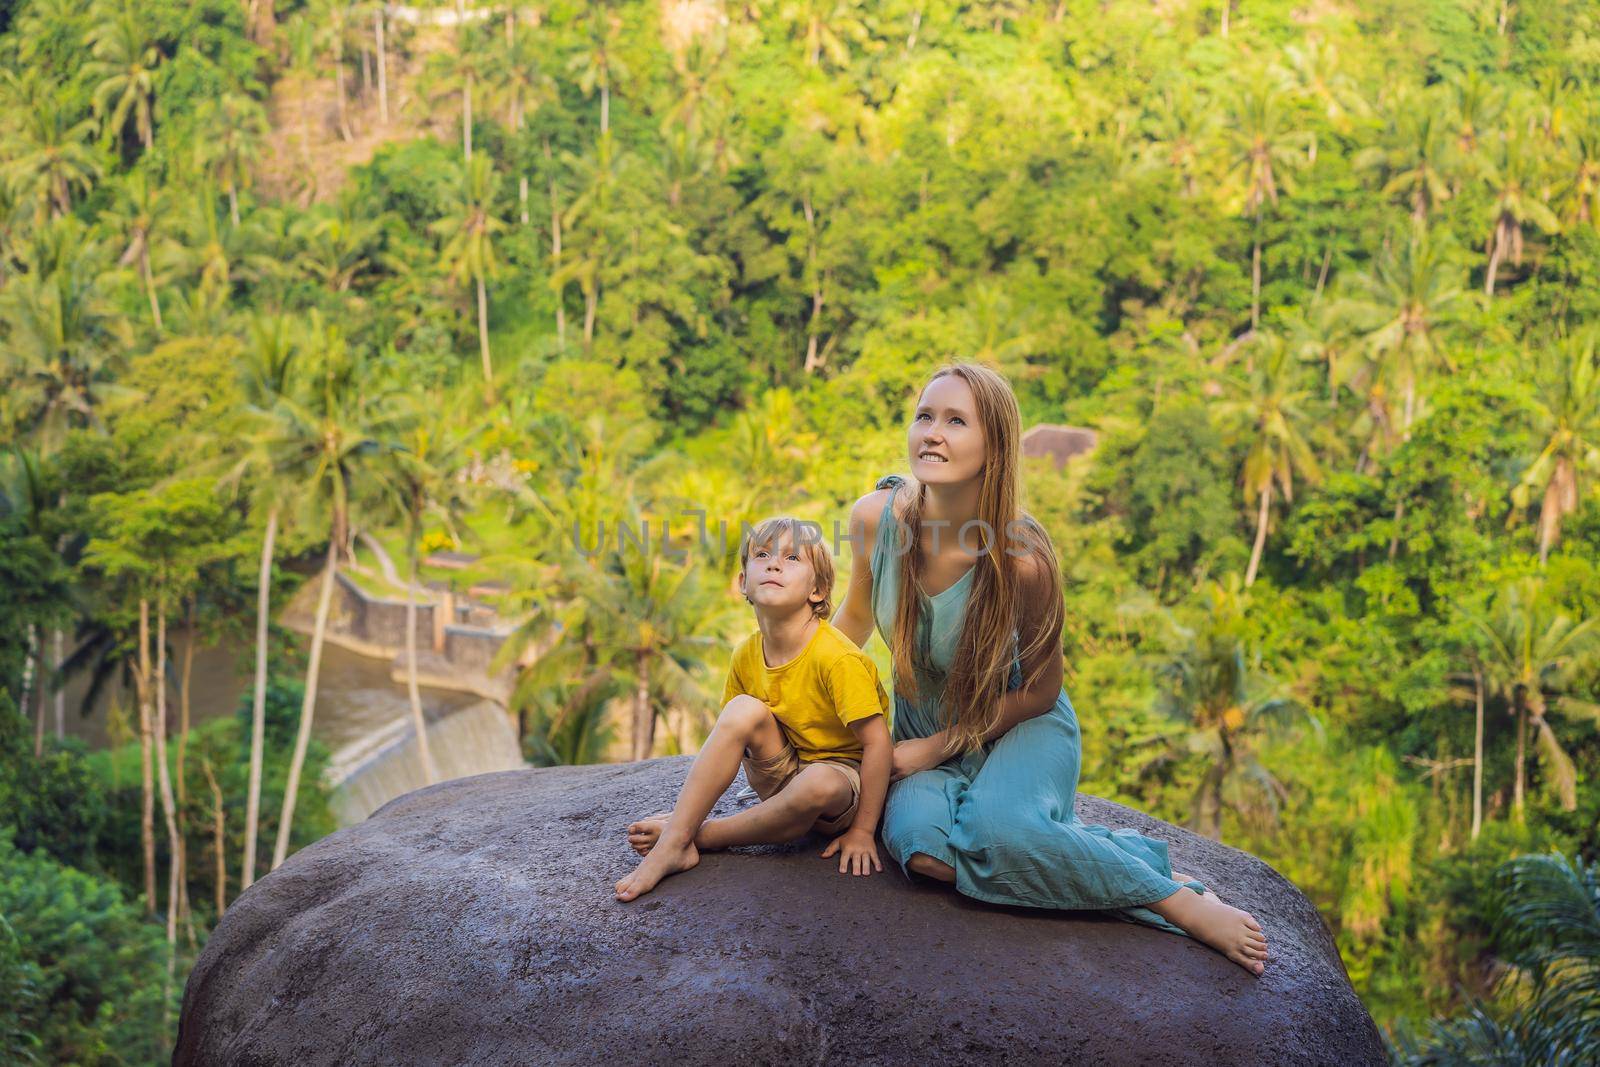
<point>642,835</point>
<point>1232,932</point>
<point>659,864</point>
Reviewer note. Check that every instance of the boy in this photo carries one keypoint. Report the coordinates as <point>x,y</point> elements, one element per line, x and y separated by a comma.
<point>803,712</point>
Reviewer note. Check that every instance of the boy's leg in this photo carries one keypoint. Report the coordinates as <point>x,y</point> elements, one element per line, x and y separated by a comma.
<point>819,791</point>
<point>745,723</point>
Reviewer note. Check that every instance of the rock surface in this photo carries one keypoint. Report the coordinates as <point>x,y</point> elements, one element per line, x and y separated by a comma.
<point>473,922</point>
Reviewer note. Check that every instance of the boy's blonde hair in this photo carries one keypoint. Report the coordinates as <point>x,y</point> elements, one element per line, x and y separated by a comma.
<point>806,537</point>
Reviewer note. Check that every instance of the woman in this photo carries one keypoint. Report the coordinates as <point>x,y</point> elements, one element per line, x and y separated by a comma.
<point>965,589</point>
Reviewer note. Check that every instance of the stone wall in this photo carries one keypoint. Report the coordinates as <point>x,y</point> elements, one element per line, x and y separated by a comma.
<point>450,654</point>
<point>381,620</point>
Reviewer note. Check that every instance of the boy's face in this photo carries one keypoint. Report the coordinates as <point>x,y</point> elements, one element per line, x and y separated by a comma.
<point>778,577</point>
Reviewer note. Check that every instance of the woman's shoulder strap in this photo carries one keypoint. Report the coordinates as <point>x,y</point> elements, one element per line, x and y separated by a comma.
<point>891,482</point>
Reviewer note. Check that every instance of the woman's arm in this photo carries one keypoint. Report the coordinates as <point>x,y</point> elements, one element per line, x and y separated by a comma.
<point>1018,705</point>
<point>854,615</point>
<point>1038,698</point>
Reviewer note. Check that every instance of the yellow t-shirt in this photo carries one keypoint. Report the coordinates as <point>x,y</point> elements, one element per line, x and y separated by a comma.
<point>814,696</point>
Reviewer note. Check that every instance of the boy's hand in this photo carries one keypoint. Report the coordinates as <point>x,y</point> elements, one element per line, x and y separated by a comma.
<point>858,852</point>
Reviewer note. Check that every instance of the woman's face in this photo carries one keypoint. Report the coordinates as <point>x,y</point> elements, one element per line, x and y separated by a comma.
<point>945,440</point>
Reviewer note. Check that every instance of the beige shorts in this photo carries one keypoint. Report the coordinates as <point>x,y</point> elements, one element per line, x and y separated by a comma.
<point>768,776</point>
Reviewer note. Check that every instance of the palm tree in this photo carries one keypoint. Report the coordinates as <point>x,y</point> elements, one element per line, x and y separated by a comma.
<point>428,456</point>
<point>339,243</point>
<point>1514,174</point>
<point>61,332</point>
<point>1321,336</point>
<point>1269,410</point>
<point>269,251</point>
<point>25,496</point>
<point>770,444</point>
<point>1532,652</point>
<point>232,130</point>
<point>1416,162</point>
<point>1477,695</point>
<point>123,70</point>
<point>1181,131</point>
<point>1476,105</point>
<point>658,634</point>
<point>1550,101</point>
<point>266,469</point>
<point>1567,421</point>
<point>519,83</point>
<point>826,27</point>
<point>50,153</point>
<point>567,726</point>
<point>557,270</point>
<point>468,253</point>
<point>598,175</point>
<point>1477,747</point>
<point>1548,923</point>
<point>598,66</point>
<point>1313,71</point>
<point>624,621</point>
<point>1002,331</point>
<point>1552,915</point>
<point>208,246</point>
<point>1226,706</point>
<point>461,70</point>
<point>340,432</point>
<point>140,209</point>
<point>1580,193</point>
<point>523,87</point>
<point>1266,147</point>
<point>334,19</point>
<point>1400,307</point>
<point>686,157</point>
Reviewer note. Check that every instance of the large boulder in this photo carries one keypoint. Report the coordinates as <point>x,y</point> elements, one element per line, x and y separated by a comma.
<point>473,922</point>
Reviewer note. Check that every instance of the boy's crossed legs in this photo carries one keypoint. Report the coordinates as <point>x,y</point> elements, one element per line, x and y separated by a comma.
<point>673,843</point>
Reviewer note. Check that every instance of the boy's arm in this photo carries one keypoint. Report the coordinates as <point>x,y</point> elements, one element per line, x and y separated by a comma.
<point>734,684</point>
<point>857,846</point>
<point>877,755</point>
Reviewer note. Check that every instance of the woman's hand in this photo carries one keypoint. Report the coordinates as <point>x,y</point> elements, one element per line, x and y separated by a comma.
<point>919,754</point>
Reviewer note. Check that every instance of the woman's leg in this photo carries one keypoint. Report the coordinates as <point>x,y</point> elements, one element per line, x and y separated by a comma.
<point>917,819</point>
<point>1017,841</point>
<point>1229,930</point>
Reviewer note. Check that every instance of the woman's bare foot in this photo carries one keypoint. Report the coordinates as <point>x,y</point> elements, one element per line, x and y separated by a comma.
<point>642,835</point>
<point>1232,932</point>
<point>1176,877</point>
<point>660,863</point>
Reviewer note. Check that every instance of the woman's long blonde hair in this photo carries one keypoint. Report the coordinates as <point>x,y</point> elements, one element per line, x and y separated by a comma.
<point>981,669</point>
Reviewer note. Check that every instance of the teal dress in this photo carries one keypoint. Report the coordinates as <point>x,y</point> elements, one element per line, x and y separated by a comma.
<point>1003,816</point>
